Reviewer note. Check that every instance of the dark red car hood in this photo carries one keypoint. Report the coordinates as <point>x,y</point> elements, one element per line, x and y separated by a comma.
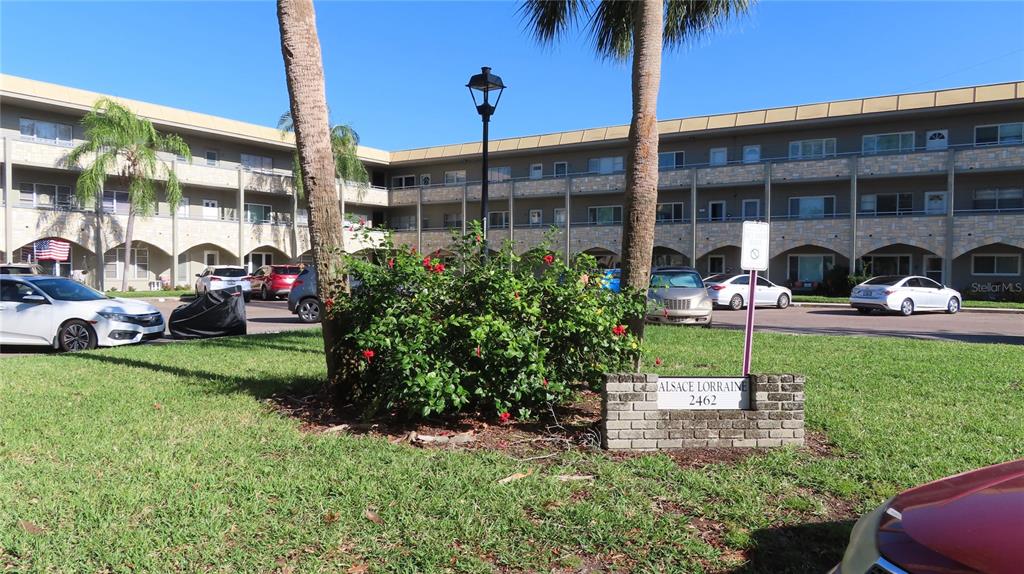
<point>975,519</point>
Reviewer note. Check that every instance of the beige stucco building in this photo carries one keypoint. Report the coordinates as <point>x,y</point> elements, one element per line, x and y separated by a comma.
<point>929,183</point>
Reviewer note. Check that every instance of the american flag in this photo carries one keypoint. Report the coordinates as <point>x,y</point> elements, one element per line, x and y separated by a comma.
<point>51,250</point>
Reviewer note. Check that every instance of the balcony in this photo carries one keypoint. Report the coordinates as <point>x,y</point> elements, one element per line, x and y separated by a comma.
<point>811,170</point>
<point>39,154</point>
<point>270,181</point>
<point>611,183</point>
<point>547,187</point>
<point>365,194</point>
<point>731,174</point>
<point>832,233</point>
<point>990,158</point>
<point>922,162</point>
<point>405,196</point>
<point>674,178</point>
<point>495,190</point>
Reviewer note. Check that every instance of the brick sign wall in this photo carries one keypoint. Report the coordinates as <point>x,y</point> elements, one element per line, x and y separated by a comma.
<point>631,419</point>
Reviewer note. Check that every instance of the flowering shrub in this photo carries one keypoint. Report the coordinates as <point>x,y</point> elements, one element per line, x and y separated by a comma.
<point>427,335</point>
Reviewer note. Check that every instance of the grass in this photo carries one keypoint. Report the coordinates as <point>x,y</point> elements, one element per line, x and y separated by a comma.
<point>161,293</point>
<point>967,304</point>
<point>165,458</point>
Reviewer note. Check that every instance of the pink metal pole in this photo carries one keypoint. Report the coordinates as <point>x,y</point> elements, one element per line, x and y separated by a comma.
<point>748,340</point>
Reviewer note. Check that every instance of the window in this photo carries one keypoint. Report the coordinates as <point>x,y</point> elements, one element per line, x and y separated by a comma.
<point>751,209</point>
<point>809,268</point>
<point>716,211</point>
<point>669,213</point>
<point>115,202</point>
<point>936,139</point>
<point>211,209</point>
<point>884,143</point>
<point>183,207</point>
<point>257,213</point>
<point>45,131</point>
<point>719,156</point>
<point>536,171</point>
<point>751,153</point>
<point>425,179</point>
<point>536,217</point>
<point>502,173</point>
<point>716,264</point>
<point>605,215</point>
<point>559,216</point>
<point>403,181</point>
<point>211,157</point>
<point>812,207</point>
<point>933,268</point>
<point>999,134</point>
<point>45,194</point>
<point>671,160</point>
<point>561,168</point>
<point>113,263</point>
<point>455,176</point>
<point>605,164</point>
<point>257,163</point>
<point>886,264</point>
<point>811,149</point>
<point>403,222</point>
<point>935,202</point>
<point>887,203</point>
<point>497,219</point>
<point>995,264</point>
<point>998,199</point>
<point>453,220</point>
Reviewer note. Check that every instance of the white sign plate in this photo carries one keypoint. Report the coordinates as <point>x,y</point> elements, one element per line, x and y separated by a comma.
<point>703,393</point>
<point>754,249</point>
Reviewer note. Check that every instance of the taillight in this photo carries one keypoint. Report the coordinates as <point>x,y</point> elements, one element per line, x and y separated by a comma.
<point>888,291</point>
<point>718,287</point>
<point>215,278</point>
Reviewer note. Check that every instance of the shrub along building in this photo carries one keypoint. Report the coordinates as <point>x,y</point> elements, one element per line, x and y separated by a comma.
<point>929,183</point>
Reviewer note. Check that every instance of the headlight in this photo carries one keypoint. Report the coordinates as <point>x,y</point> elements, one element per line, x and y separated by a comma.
<point>123,318</point>
<point>705,304</point>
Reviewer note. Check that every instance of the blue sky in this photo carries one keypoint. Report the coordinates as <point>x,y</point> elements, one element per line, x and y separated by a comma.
<point>397,70</point>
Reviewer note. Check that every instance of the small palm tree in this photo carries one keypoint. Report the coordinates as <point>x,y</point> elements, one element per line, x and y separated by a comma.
<point>345,147</point>
<point>639,29</point>
<point>125,148</point>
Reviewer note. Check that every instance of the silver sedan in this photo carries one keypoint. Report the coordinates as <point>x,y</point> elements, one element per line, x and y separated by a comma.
<point>905,295</point>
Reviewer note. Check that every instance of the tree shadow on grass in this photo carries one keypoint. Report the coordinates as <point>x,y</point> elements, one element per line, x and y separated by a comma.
<point>797,549</point>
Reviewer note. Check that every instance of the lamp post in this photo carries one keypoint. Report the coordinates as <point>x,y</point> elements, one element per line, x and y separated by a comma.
<point>485,82</point>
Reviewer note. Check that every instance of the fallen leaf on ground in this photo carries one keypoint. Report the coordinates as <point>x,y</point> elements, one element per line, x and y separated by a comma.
<point>336,428</point>
<point>372,516</point>
<point>359,568</point>
<point>157,406</point>
<point>516,476</point>
<point>331,517</point>
<point>31,527</point>
<point>571,477</point>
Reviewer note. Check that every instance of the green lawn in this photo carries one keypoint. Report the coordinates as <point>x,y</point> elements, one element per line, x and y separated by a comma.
<point>163,458</point>
<point>162,293</point>
<point>967,304</point>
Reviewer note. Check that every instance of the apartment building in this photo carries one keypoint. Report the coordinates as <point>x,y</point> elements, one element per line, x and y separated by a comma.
<point>930,183</point>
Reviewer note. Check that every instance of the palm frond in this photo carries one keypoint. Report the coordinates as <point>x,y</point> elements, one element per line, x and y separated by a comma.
<point>549,20</point>
<point>687,20</point>
<point>345,145</point>
<point>285,123</point>
<point>172,190</point>
<point>612,29</point>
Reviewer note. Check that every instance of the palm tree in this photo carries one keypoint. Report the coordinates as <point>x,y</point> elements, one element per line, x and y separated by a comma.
<point>303,66</point>
<point>639,29</point>
<point>344,145</point>
<point>125,147</point>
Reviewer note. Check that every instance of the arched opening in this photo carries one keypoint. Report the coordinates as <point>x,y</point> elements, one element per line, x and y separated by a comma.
<point>148,269</point>
<point>811,269</point>
<point>667,257</point>
<point>264,255</point>
<point>605,259</point>
<point>47,253</point>
<point>725,259</point>
<point>193,260</point>
<point>901,259</point>
<point>992,272</point>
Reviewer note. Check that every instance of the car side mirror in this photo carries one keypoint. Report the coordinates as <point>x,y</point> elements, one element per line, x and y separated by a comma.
<point>33,299</point>
<point>199,275</point>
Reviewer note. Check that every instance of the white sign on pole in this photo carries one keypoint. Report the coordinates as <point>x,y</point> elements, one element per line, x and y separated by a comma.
<point>754,250</point>
<point>703,393</point>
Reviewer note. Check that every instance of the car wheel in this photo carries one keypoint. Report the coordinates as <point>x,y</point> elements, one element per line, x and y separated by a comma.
<point>907,308</point>
<point>264,294</point>
<point>76,335</point>
<point>783,301</point>
<point>953,306</point>
<point>309,310</point>
<point>863,311</point>
<point>736,303</point>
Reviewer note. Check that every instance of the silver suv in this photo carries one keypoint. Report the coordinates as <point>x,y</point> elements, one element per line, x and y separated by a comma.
<point>677,296</point>
<point>303,300</point>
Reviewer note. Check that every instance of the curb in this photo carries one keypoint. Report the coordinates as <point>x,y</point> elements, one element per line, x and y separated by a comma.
<point>962,309</point>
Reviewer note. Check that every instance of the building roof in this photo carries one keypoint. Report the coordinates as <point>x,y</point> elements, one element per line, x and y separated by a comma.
<point>63,96</point>
<point>765,117</point>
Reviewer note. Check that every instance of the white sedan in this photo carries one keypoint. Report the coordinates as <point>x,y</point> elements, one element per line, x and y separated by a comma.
<point>61,313</point>
<point>217,277</point>
<point>904,294</point>
<point>732,290</point>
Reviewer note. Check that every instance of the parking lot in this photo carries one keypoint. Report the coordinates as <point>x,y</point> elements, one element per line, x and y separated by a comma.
<point>262,316</point>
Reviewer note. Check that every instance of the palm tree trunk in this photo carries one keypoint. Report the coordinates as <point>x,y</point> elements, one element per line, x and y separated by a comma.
<point>642,165</point>
<point>129,231</point>
<point>304,71</point>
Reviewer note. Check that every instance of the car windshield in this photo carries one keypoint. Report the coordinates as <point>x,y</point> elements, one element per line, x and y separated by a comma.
<point>720,278</point>
<point>285,270</point>
<point>68,290</point>
<point>16,270</point>
<point>683,279</point>
<point>229,272</point>
<point>884,280</point>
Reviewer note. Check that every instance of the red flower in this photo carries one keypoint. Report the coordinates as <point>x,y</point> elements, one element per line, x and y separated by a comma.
<point>619,330</point>
<point>426,262</point>
<point>545,381</point>
<point>439,268</point>
<point>368,355</point>
<point>657,361</point>
<point>516,294</point>
<point>391,263</point>
<point>479,239</point>
<point>329,303</point>
<point>505,417</point>
<point>478,350</point>
<point>549,259</point>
